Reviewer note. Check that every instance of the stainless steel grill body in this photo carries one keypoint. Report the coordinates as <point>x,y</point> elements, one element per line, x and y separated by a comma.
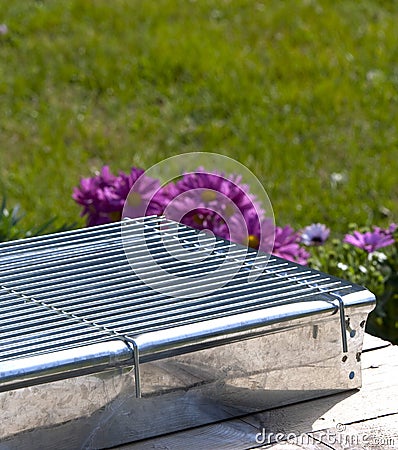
<point>129,330</point>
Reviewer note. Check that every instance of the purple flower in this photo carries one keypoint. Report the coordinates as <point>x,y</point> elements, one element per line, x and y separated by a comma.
<point>199,208</point>
<point>3,29</point>
<point>287,245</point>
<point>142,194</point>
<point>371,240</point>
<point>212,201</point>
<point>221,204</point>
<point>97,196</point>
<point>315,234</point>
<point>252,231</point>
<point>216,190</point>
<point>104,195</point>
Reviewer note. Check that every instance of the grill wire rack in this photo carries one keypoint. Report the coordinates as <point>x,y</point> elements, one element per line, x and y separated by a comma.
<point>144,290</point>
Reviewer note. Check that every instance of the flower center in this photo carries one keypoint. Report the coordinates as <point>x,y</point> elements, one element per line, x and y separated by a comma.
<point>253,241</point>
<point>208,195</point>
<point>197,219</point>
<point>115,216</point>
<point>134,199</point>
<point>316,240</point>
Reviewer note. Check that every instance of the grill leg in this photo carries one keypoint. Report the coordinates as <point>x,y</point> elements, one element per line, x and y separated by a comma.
<point>136,367</point>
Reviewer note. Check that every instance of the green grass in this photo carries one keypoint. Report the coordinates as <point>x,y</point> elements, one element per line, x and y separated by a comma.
<point>295,90</point>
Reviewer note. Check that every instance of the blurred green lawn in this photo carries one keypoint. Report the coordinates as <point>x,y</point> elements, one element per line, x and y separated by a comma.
<point>305,93</point>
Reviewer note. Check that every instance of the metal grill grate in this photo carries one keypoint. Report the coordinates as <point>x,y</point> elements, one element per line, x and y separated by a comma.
<point>78,288</point>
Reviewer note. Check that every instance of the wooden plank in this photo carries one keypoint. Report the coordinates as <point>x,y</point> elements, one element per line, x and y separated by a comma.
<point>373,343</point>
<point>230,435</point>
<point>299,445</point>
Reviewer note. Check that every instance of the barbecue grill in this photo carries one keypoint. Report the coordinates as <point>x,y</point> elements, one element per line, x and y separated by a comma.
<point>128,330</point>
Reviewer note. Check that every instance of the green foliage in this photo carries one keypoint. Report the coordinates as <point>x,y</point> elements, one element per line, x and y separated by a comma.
<point>302,92</point>
<point>348,262</point>
<point>9,222</point>
<point>12,227</point>
<point>378,271</point>
<point>383,321</point>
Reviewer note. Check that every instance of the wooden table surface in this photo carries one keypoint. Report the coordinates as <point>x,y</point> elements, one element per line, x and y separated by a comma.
<point>361,419</point>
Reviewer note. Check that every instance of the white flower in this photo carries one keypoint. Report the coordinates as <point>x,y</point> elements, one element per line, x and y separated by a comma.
<point>342,266</point>
<point>363,269</point>
<point>379,256</point>
<point>375,76</point>
<point>337,178</point>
